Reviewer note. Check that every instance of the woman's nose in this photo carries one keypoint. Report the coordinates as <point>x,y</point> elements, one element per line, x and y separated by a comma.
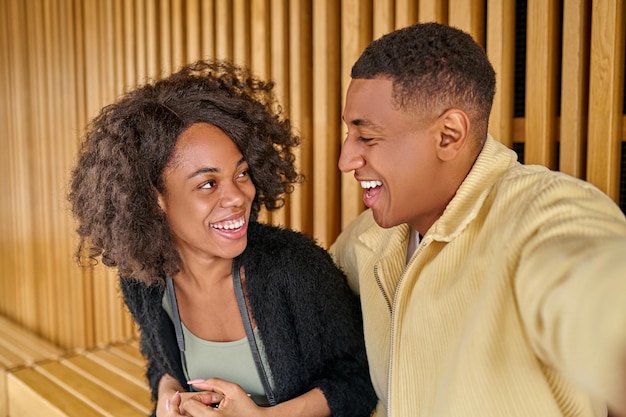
<point>232,195</point>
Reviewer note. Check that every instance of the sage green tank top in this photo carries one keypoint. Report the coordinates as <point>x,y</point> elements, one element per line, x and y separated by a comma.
<point>230,361</point>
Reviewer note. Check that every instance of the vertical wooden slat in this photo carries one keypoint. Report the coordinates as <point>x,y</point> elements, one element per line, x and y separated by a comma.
<point>384,17</point>
<point>500,49</point>
<point>80,310</point>
<point>468,15</point>
<point>142,17</point>
<point>606,89</point>
<point>45,323</point>
<point>574,85</point>
<point>130,37</point>
<point>279,67</point>
<point>326,117</point>
<point>356,29</point>
<point>152,24</point>
<point>406,12</point>
<point>257,36</point>
<point>300,107</point>
<point>21,203</point>
<point>224,29</point>
<point>164,46</point>
<point>10,214</point>
<point>260,36</point>
<point>6,240</point>
<point>60,312</point>
<point>207,27</point>
<point>433,11</point>
<point>192,40</point>
<point>68,130</point>
<point>541,83</point>
<point>242,31</point>
<point>178,58</point>
<point>39,286</point>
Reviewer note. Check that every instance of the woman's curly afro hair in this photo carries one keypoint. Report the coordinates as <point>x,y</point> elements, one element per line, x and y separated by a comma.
<point>113,190</point>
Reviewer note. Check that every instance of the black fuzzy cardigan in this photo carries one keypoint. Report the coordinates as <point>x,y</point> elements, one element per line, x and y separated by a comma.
<point>308,318</point>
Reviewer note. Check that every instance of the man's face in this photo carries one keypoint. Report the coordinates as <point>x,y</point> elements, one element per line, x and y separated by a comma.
<point>392,154</point>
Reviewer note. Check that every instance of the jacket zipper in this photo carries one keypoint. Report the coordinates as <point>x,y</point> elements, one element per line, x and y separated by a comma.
<point>421,246</point>
<point>380,287</point>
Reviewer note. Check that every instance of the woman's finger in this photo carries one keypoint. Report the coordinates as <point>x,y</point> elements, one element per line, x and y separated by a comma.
<point>195,407</point>
<point>172,404</point>
<point>217,385</point>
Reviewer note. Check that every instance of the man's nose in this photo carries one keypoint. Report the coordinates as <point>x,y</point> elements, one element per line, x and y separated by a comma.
<point>350,158</point>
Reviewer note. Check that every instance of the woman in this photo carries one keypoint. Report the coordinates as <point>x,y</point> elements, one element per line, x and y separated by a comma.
<point>167,189</point>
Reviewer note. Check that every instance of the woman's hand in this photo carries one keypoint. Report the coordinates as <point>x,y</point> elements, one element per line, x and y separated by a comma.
<point>168,386</point>
<point>174,404</point>
<point>234,402</point>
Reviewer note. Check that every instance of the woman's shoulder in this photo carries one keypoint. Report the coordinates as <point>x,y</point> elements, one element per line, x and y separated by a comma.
<point>136,292</point>
<point>269,238</point>
<point>279,247</point>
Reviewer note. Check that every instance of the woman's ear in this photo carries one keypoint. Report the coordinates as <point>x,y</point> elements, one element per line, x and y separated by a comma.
<point>161,200</point>
<point>454,134</point>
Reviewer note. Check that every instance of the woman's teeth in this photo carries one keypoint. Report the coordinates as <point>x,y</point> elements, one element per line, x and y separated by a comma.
<point>371,184</point>
<point>229,225</point>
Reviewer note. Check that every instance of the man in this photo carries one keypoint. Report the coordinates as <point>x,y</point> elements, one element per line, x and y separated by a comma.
<point>488,288</point>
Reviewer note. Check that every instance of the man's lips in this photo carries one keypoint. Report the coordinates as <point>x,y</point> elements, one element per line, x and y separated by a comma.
<point>371,191</point>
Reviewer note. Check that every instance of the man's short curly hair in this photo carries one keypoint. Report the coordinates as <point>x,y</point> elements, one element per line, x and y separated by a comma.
<point>113,190</point>
<point>433,67</point>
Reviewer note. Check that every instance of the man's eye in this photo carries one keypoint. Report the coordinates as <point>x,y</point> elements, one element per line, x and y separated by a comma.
<point>363,139</point>
<point>208,184</point>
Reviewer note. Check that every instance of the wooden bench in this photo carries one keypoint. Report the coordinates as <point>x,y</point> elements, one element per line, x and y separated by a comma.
<point>107,381</point>
<point>20,347</point>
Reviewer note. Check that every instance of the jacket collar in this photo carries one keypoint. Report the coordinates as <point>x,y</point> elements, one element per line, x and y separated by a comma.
<point>492,163</point>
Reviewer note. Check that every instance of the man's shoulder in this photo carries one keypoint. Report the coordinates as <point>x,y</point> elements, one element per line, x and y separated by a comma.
<point>362,223</point>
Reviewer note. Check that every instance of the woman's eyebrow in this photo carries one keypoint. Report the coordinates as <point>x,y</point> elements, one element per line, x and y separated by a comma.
<point>204,170</point>
<point>211,170</point>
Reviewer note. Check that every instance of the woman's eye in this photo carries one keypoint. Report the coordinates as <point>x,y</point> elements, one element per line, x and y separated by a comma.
<point>243,174</point>
<point>208,184</point>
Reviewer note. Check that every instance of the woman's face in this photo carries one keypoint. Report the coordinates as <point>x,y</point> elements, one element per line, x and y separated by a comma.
<point>208,194</point>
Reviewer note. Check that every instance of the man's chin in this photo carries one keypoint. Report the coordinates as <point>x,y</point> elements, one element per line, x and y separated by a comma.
<point>383,221</point>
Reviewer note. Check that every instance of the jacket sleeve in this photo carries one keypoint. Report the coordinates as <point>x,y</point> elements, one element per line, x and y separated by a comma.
<point>157,338</point>
<point>571,287</point>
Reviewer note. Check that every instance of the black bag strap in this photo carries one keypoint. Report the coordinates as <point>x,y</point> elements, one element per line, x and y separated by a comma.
<point>243,309</point>
<point>180,338</point>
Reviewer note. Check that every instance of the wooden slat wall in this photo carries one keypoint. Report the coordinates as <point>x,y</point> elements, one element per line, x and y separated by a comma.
<point>61,61</point>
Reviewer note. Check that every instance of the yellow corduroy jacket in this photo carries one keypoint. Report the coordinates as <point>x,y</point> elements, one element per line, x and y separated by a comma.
<point>503,310</point>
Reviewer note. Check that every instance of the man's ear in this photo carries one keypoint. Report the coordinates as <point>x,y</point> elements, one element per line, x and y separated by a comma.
<point>454,134</point>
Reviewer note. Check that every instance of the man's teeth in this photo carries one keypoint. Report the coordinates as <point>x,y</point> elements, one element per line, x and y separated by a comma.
<point>229,225</point>
<point>371,184</point>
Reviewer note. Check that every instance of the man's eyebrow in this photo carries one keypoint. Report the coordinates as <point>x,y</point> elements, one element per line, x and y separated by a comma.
<point>363,123</point>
